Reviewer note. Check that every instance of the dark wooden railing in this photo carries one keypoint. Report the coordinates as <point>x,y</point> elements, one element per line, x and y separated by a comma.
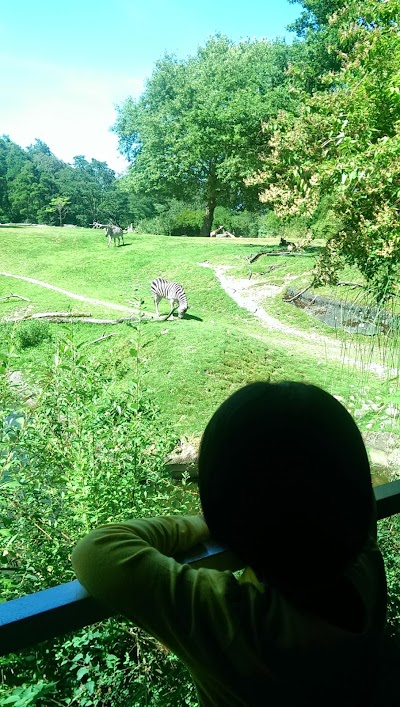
<point>52,612</point>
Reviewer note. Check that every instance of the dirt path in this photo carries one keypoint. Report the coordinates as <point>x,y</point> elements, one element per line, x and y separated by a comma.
<point>72,295</point>
<point>249,294</point>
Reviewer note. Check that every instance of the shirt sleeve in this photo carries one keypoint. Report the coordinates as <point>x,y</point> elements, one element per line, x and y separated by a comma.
<point>129,566</point>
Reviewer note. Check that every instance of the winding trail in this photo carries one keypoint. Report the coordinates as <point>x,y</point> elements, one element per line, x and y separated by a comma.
<point>72,295</point>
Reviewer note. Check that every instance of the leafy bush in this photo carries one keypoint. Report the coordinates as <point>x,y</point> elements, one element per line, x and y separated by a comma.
<point>33,333</point>
<point>241,223</point>
<point>175,218</point>
<point>84,455</point>
<point>270,225</point>
<point>187,222</point>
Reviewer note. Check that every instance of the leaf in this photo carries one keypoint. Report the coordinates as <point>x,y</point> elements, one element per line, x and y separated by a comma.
<point>81,672</point>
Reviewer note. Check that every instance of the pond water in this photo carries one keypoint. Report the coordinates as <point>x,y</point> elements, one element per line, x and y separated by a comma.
<point>349,316</point>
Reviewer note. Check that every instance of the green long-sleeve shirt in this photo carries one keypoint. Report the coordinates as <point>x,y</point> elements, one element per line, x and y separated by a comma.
<point>242,641</point>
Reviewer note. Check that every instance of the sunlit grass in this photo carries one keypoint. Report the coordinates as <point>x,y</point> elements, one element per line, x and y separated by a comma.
<point>188,366</point>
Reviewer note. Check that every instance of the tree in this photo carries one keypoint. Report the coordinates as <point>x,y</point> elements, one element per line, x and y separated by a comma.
<point>12,160</point>
<point>25,194</point>
<point>197,128</point>
<point>59,204</point>
<point>4,203</point>
<point>87,184</point>
<point>345,142</point>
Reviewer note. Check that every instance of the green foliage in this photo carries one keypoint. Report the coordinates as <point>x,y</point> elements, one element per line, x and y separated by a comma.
<point>36,187</point>
<point>174,218</point>
<point>83,455</point>
<point>32,333</point>
<point>241,223</point>
<point>389,542</point>
<point>196,128</point>
<point>59,205</point>
<point>344,141</point>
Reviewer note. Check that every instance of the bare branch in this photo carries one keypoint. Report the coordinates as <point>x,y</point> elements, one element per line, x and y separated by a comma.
<point>14,295</point>
<point>350,284</point>
<point>298,294</point>
<point>100,338</point>
<point>270,252</point>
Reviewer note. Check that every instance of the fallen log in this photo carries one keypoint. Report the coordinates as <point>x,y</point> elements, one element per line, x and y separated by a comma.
<point>47,315</point>
<point>87,318</point>
<point>254,257</point>
<point>64,318</point>
<point>301,292</point>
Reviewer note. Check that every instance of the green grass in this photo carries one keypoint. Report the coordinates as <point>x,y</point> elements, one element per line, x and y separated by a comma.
<point>191,365</point>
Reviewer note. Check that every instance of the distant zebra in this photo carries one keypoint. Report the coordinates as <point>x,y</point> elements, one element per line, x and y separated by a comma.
<point>169,290</point>
<point>114,233</point>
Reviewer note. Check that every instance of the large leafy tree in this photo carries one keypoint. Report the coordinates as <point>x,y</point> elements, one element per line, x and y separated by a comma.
<point>196,131</point>
<point>345,142</point>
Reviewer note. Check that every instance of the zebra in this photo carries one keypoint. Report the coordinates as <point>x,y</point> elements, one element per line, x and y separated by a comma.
<point>169,290</point>
<point>114,233</point>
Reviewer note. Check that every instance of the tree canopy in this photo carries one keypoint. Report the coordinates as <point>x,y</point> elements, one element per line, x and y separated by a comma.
<point>344,141</point>
<point>197,128</point>
<point>32,181</point>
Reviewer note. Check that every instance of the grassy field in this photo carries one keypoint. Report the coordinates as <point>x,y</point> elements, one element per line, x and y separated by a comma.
<point>189,366</point>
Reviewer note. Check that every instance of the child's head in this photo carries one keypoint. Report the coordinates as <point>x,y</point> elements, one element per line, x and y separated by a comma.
<point>285,482</point>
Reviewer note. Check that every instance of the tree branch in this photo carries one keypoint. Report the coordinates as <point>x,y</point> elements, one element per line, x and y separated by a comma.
<point>17,297</point>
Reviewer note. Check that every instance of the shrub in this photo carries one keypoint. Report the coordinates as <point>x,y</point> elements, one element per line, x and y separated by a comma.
<point>33,333</point>
<point>176,218</point>
<point>241,223</point>
<point>187,222</point>
<point>84,455</point>
<point>269,225</point>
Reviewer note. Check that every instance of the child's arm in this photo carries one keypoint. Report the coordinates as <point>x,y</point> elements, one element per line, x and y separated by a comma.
<point>129,567</point>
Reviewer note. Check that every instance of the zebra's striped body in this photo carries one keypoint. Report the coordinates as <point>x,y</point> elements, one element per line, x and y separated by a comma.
<point>114,233</point>
<point>171,291</point>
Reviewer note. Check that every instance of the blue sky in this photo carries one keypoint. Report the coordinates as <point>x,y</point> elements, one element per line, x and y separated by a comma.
<point>65,65</point>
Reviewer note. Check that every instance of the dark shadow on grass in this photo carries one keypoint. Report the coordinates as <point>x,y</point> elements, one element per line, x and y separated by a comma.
<point>192,316</point>
<point>164,318</point>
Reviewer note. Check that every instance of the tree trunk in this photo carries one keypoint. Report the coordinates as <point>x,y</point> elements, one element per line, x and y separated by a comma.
<point>208,218</point>
<point>211,203</point>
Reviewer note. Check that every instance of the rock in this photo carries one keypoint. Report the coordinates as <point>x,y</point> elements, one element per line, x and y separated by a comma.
<point>384,453</point>
<point>183,459</point>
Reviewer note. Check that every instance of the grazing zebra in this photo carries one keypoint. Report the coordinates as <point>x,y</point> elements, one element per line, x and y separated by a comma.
<point>114,233</point>
<point>169,290</point>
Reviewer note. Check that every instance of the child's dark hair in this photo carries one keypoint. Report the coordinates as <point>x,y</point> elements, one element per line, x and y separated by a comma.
<point>285,482</point>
